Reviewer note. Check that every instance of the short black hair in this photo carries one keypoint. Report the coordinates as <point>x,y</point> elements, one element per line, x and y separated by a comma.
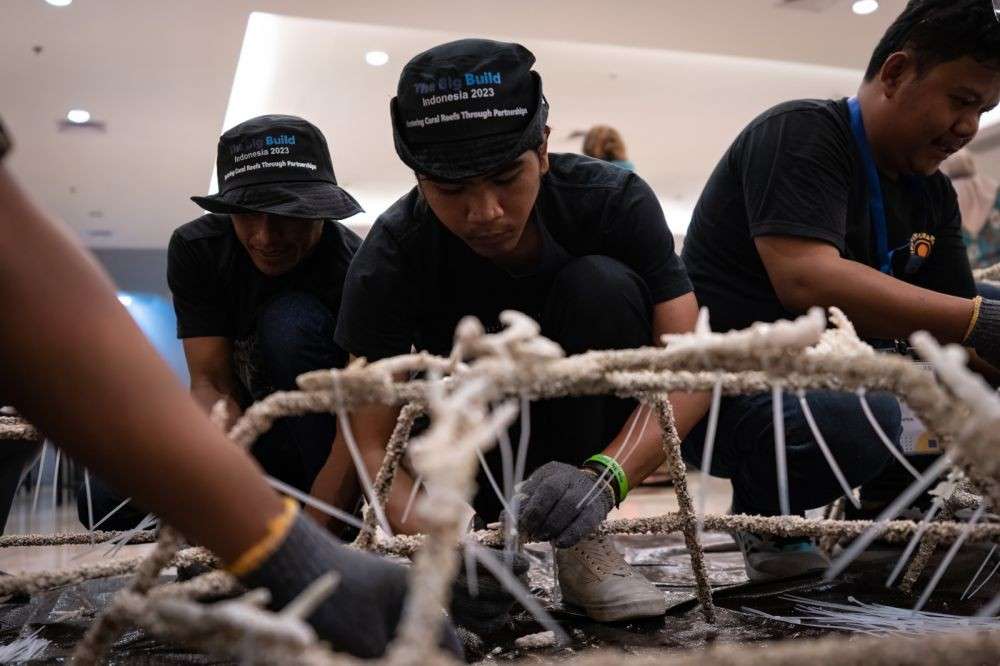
<point>939,31</point>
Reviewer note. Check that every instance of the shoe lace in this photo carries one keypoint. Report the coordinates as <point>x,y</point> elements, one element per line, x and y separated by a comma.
<point>601,555</point>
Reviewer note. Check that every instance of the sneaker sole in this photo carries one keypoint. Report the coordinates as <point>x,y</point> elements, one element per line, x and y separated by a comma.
<point>757,576</point>
<point>630,610</point>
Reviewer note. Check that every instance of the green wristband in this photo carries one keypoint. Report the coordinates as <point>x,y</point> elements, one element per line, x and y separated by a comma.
<point>617,471</point>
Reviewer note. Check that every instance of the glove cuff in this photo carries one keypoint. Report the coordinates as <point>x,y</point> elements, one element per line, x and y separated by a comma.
<point>300,556</point>
<point>984,334</point>
<point>277,529</point>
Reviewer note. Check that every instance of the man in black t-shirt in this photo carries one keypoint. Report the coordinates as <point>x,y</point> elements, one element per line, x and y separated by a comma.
<point>840,203</point>
<point>256,286</point>
<point>497,223</point>
<point>138,427</point>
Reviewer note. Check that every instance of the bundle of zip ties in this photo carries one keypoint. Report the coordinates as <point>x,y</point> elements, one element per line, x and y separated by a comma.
<point>873,619</point>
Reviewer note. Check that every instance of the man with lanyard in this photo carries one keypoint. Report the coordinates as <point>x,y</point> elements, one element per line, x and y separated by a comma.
<point>497,223</point>
<point>256,285</point>
<point>840,203</point>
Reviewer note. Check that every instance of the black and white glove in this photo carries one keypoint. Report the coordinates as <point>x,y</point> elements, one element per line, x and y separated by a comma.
<point>552,505</point>
<point>361,614</point>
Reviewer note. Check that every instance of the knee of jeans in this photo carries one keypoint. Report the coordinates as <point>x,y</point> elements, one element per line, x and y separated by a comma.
<point>866,453</point>
<point>603,299</point>
<point>602,280</point>
<point>288,318</point>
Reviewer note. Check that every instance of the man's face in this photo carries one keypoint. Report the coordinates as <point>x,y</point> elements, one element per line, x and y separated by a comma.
<point>937,114</point>
<point>276,244</point>
<point>490,212</point>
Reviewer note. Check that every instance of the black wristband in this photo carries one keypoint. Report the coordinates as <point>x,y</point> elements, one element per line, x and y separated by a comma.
<point>5,142</point>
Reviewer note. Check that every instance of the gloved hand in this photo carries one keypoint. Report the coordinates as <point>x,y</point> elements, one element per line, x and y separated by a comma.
<point>361,614</point>
<point>548,504</point>
<point>985,334</point>
<point>489,611</point>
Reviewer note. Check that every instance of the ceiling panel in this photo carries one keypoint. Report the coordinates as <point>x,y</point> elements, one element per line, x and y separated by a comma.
<point>160,75</point>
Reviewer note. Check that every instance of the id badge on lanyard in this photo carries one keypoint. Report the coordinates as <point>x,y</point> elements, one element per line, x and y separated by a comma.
<point>916,439</point>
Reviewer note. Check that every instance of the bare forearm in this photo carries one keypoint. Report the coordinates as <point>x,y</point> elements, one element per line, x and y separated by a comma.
<point>336,484</point>
<point>372,426</point>
<point>808,273</point>
<point>109,400</point>
<point>883,307</point>
<point>207,395</point>
<point>643,453</point>
<point>399,496</point>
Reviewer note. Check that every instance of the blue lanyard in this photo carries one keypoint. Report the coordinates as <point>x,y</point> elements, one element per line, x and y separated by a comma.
<point>875,202</point>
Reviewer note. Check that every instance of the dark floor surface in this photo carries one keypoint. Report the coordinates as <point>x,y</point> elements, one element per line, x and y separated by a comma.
<point>63,615</point>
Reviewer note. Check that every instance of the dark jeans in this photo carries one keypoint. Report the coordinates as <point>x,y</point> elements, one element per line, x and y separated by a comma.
<point>595,303</point>
<point>294,335</point>
<point>744,447</point>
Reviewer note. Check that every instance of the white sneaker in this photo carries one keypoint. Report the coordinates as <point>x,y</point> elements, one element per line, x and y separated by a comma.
<point>595,577</point>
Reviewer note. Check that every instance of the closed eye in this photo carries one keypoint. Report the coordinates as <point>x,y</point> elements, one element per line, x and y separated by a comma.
<point>507,178</point>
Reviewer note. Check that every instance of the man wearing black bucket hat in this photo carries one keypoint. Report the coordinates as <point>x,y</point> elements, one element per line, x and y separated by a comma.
<point>140,428</point>
<point>497,223</point>
<point>257,282</point>
<point>256,286</point>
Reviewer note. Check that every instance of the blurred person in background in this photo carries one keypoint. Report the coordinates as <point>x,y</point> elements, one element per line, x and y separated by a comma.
<point>979,204</point>
<point>605,143</point>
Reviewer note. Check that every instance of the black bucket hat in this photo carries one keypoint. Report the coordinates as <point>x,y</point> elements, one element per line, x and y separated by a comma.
<point>465,108</point>
<point>279,165</point>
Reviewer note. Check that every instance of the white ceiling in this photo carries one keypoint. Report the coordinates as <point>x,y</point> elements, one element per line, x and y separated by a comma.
<point>678,111</point>
<point>161,74</point>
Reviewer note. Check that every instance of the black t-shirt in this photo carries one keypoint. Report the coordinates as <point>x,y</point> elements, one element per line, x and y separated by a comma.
<point>413,280</point>
<point>218,292</point>
<point>796,171</point>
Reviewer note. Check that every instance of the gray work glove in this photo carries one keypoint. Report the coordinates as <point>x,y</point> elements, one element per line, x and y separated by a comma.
<point>985,335</point>
<point>549,499</point>
<point>488,611</point>
<point>361,614</point>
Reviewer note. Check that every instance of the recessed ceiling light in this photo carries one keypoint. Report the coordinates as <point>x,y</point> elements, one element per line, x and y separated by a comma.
<point>78,116</point>
<point>376,58</point>
<point>59,3</point>
<point>863,7</point>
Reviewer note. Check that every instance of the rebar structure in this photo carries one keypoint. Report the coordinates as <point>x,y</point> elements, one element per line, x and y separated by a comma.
<point>476,392</point>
